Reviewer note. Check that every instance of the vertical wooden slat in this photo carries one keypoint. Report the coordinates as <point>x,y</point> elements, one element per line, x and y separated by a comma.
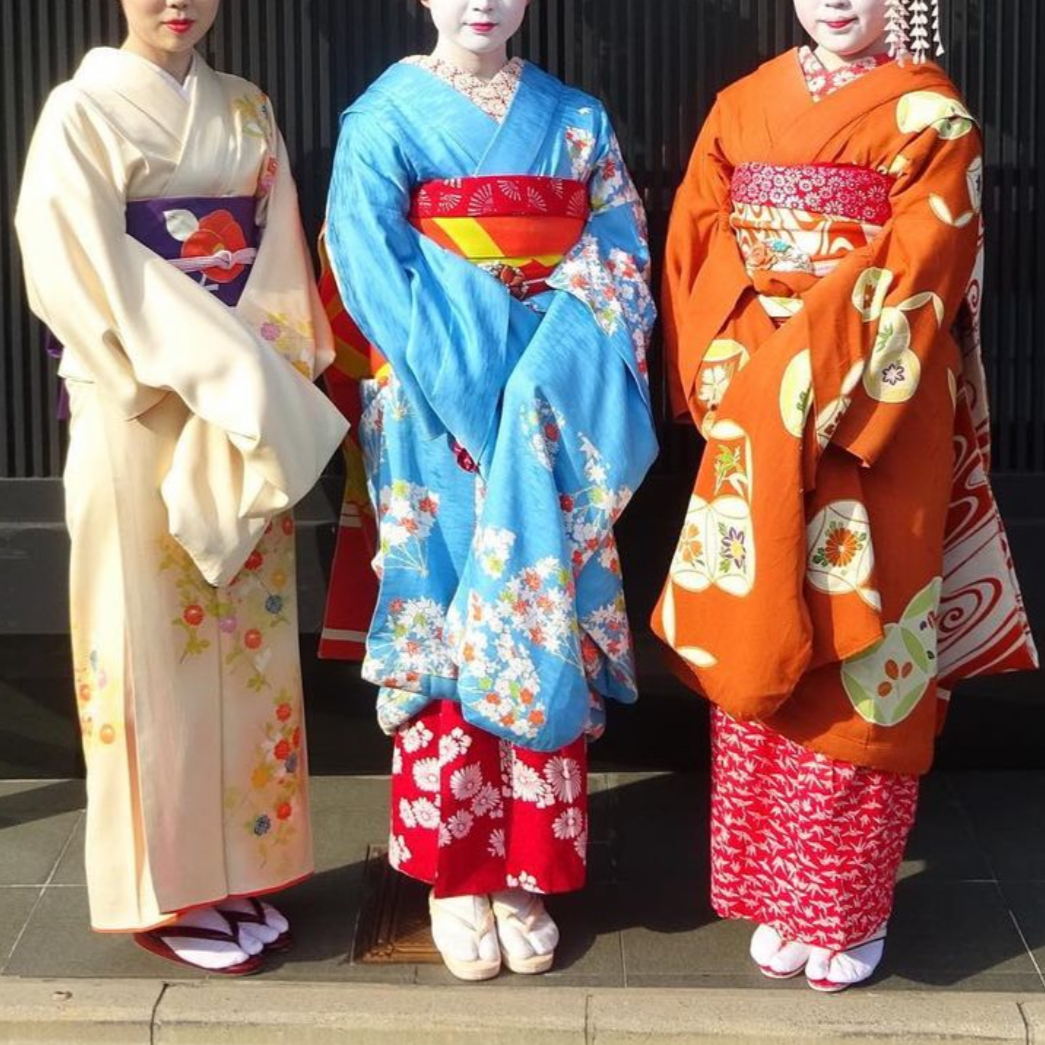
<point>657,64</point>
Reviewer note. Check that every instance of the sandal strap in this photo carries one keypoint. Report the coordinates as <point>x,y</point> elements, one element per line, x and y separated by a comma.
<point>193,932</point>
<point>527,918</point>
<point>487,925</point>
<point>257,917</point>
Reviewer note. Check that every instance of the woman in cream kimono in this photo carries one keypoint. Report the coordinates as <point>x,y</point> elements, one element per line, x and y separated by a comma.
<point>162,246</point>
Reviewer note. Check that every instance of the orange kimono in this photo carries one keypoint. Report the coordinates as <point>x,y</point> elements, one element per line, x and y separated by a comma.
<point>842,563</point>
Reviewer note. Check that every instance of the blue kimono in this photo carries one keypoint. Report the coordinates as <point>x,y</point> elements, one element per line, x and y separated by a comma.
<point>513,423</point>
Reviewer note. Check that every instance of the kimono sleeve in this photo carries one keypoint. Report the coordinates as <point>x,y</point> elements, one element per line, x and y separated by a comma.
<point>875,324</point>
<point>700,207</point>
<point>450,332</point>
<point>609,268</point>
<point>259,432</point>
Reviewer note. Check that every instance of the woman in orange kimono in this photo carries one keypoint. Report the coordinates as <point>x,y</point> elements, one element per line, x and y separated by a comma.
<point>842,563</point>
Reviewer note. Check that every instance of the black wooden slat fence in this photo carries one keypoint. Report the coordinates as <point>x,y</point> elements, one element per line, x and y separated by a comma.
<point>657,63</point>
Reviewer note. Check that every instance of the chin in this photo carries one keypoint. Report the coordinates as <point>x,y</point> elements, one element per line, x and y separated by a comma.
<point>846,49</point>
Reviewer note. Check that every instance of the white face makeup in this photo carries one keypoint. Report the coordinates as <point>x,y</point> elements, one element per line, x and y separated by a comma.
<point>166,31</point>
<point>474,34</point>
<point>844,30</point>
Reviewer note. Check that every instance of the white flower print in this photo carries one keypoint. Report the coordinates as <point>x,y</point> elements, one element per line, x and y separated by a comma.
<point>584,274</point>
<point>495,847</point>
<point>569,824</point>
<point>416,737</point>
<point>406,813</point>
<point>460,824</point>
<point>524,881</point>
<point>406,645</point>
<point>426,774</point>
<point>580,843</point>
<point>492,547</point>
<point>564,776</point>
<point>445,838</point>
<point>397,761</point>
<point>714,380</point>
<point>487,802</point>
<point>607,628</point>
<point>580,143</point>
<point>406,514</point>
<point>527,785</point>
<point>610,185</point>
<point>465,782</point>
<point>543,426</point>
<point>398,851</point>
<point>425,813</point>
<point>453,745</point>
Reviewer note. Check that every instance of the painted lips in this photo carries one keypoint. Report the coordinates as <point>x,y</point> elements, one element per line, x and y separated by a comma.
<point>482,27</point>
<point>840,25</point>
<point>180,26</point>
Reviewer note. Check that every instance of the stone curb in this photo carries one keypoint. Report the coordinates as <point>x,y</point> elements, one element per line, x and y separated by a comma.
<point>150,1012</point>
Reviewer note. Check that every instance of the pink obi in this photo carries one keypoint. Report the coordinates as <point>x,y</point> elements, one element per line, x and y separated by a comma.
<point>842,190</point>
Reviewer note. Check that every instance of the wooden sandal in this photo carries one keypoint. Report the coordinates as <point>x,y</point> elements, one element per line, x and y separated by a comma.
<point>524,923</point>
<point>154,941</point>
<point>477,968</point>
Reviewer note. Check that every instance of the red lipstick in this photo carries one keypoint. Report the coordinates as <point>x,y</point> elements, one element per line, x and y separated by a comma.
<point>180,26</point>
<point>482,27</point>
<point>843,24</point>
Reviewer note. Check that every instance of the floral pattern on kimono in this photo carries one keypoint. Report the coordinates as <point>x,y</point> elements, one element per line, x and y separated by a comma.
<point>474,814</point>
<point>496,496</point>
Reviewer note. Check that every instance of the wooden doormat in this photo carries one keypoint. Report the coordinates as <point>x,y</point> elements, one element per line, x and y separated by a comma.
<point>394,927</point>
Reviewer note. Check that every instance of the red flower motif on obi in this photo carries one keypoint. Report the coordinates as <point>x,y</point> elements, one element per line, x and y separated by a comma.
<point>218,232</point>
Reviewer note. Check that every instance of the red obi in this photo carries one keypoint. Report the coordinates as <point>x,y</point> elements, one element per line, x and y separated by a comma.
<point>516,227</point>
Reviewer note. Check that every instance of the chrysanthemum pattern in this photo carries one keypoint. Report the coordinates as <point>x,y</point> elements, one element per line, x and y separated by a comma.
<point>801,842</point>
<point>473,814</point>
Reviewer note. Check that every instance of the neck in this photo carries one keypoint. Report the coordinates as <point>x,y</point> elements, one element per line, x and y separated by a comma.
<point>177,65</point>
<point>832,61</point>
<point>485,66</point>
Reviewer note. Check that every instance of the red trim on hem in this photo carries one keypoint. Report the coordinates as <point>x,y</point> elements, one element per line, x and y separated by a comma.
<point>175,915</point>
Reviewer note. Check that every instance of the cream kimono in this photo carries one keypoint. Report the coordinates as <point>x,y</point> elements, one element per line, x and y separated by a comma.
<point>195,426</point>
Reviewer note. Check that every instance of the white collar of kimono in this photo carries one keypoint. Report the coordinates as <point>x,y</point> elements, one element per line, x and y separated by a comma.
<point>111,56</point>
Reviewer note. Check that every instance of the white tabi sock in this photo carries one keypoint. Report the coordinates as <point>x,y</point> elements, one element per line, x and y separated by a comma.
<point>831,971</point>
<point>207,954</point>
<point>274,925</point>
<point>463,929</point>
<point>528,930</point>
<point>776,956</point>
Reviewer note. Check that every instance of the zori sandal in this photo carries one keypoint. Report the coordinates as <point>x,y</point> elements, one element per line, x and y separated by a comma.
<point>157,941</point>
<point>464,933</point>
<point>525,931</point>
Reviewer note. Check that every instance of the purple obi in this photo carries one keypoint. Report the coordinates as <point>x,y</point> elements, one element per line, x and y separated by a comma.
<point>212,239</point>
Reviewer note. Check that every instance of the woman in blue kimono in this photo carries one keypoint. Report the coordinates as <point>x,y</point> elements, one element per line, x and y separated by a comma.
<point>486,238</point>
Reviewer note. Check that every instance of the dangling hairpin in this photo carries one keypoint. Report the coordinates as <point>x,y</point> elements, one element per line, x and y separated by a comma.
<point>908,28</point>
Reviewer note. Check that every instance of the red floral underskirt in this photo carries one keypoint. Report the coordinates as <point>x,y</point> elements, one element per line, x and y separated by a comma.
<point>473,814</point>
